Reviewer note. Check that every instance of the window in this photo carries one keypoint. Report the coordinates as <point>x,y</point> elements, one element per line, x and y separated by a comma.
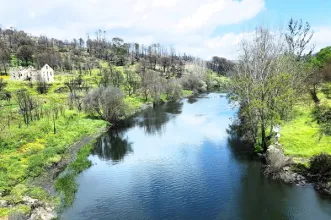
<point>46,67</point>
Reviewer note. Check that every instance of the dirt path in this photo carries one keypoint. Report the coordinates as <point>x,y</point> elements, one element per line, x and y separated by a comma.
<point>47,179</point>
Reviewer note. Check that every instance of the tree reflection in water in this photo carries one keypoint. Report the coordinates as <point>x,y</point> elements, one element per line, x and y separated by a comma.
<point>113,145</point>
<point>153,120</point>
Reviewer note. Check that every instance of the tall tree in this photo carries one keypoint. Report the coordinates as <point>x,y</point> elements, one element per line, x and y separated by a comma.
<point>25,53</point>
<point>265,83</point>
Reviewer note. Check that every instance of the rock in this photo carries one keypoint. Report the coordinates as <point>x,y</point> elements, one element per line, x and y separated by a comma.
<point>18,216</point>
<point>287,176</point>
<point>31,202</point>
<point>3,203</point>
<point>286,168</point>
<point>276,160</point>
<point>43,214</point>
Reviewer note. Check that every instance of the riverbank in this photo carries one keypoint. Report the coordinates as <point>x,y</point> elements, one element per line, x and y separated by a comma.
<point>75,134</point>
<point>278,166</point>
<point>302,138</point>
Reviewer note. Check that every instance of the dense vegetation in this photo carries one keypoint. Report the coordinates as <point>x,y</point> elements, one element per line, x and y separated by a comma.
<point>279,81</point>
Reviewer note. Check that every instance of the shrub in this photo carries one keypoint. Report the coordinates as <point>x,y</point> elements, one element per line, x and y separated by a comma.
<point>322,115</point>
<point>321,165</point>
<point>107,102</point>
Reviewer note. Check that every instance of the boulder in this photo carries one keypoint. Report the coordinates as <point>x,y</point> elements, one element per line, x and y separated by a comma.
<point>31,202</point>
<point>275,158</point>
<point>42,213</point>
<point>3,203</point>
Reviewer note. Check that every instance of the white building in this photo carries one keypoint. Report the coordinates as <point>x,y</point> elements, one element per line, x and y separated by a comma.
<point>45,74</point>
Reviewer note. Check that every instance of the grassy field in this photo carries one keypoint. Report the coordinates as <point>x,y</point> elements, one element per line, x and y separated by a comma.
<point>302,137</point>
<point>26,152</point>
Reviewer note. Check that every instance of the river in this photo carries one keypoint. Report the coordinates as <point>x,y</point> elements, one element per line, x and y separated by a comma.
<point>178,162</point>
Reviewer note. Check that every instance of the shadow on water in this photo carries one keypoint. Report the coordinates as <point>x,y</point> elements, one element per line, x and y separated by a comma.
<point>113,145</point>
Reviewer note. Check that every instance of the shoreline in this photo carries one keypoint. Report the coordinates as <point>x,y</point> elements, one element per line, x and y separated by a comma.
<point>292,172</point>
<point>74,149</point>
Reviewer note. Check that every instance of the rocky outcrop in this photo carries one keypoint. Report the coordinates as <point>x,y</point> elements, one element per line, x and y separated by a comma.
<point>40,210</point>
<point>278,166</point>
<point>43,213</point>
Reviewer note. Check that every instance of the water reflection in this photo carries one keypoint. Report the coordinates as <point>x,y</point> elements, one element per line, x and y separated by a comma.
<point>154,119</point>
<point>192,100</point>
<point>112,146</point>
<point>188,170</point>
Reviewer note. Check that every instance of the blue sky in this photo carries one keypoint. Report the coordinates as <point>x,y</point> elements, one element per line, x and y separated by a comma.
<point>200,27</point>
<point>316,12</point>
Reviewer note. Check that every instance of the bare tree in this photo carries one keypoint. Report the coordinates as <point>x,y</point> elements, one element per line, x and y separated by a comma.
<point>132,81</point>
<point>298,37</point>
<point>107,102</point>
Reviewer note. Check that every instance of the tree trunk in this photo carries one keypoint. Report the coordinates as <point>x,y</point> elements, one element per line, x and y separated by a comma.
<point>263,137</point>
<point>313,94</point>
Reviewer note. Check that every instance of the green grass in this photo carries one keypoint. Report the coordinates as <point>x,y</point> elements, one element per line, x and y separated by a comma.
<point>301,137</point>
<point>66,185</point>
<point>187,92</point>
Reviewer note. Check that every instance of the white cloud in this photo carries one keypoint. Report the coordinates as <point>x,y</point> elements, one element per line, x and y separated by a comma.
<point>186,24</point>
<point>322,37</point>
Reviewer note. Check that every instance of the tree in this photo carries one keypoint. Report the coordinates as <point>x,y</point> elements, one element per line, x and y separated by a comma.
<point>265,83</point>
<point>4,57</point>
<point>298,37</point>
<point>132,81</point>
<point>152,84</point>
<point>3,84</point>
<point>220,65</point>
<point>319,68</point>
<point>26,105</point>
<point>25,53</point>
<point>156,87</point>
<point>174,89</point>
<point>48,57</point>
<point>107,102</point>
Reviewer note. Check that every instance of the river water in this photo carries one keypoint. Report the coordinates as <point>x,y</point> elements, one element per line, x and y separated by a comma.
<point>178,162</point>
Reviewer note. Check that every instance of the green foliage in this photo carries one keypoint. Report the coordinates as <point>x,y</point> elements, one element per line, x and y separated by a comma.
<point>4,212</point>
<point>322,115</point>
<point>321,165</point>
<point>323,56</point>
<point>66,185</point>
<point>20,209</point>
<point>187,92</point>
<point>81,163</point>
<point>301,137</point>
<point>38,193</point>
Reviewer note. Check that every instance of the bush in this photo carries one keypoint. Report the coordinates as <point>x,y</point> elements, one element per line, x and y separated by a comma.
<point>194,83</point>
<point>322,115</point>
<point>321,165</point>
<point>107,102</point>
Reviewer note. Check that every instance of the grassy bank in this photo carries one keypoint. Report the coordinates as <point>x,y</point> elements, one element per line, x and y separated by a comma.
<point>301,137</point>
<point>66,184</point>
